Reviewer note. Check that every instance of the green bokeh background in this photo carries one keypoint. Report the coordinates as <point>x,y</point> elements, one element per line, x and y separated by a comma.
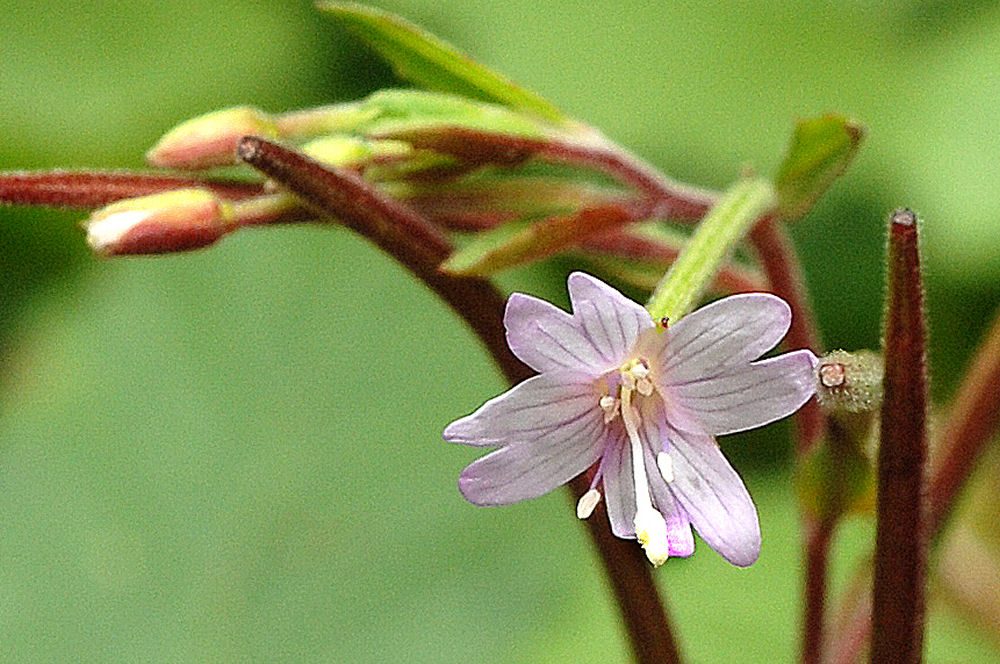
<point>234,455</point>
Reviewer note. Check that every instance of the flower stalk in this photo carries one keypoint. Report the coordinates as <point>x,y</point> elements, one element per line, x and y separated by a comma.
<point>710,245</point>
<point>900,556</point>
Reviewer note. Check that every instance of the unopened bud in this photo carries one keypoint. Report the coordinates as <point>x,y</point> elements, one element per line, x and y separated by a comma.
<point>849,382</point>
<point>210,140</point>
<point>161,223</point>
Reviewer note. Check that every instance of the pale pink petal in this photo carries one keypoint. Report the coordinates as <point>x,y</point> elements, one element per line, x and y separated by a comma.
<point>744,398</point>
<point>714,498</point>
<point>546,338</point>
<point>527,470</point>
<point>611,321</point>
<point>655,438</point>
<point>679,534</point>
<point>722,335</point>
<point>619,486</point>
<point>528,410</point>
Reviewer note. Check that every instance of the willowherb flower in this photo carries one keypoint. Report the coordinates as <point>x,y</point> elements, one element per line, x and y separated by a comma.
<point>643,402</point>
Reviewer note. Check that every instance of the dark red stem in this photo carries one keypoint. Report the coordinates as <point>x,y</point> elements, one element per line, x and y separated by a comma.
<point>93,189</point>
<point>817,552</point>
<point>784,273</point>
<point>819,534</point>
<point>401,232</point>
<point>969,426</point>
<point>900,556</point>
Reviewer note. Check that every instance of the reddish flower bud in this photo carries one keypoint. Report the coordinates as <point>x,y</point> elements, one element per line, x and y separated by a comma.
<point>210,140</point>
<point>161,223</point>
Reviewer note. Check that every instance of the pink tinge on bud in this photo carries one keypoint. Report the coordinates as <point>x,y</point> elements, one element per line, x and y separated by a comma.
<point>210,140</point>
<point>162,223</point>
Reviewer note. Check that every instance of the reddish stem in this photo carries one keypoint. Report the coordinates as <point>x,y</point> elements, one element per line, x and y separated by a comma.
<point>968,428</point>
<point>817,552</point>
<point>624,244</point>
<point>402,233</point>
<point>970,424</point>
<point>818,540</point>
<point>93,189</point>
<point>898,591</point>
<point>781,265</point>
<point>482,147</point>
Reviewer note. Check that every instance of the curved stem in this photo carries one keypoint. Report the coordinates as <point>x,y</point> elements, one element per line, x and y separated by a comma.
<point>781,266</point>
<point>401,232</point>
<point>481,147</point>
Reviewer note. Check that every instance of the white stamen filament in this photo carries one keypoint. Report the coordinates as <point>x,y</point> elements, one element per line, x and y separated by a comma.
<point>588,501</point>
<point>666,465</point>
<point>650,528</point>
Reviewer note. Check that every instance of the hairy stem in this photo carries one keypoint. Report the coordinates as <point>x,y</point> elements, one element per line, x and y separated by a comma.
<point>709,247</point>
<point>898,591</point>
<point>971,423</point>
<point>93,189</point>
<point>401,232</point>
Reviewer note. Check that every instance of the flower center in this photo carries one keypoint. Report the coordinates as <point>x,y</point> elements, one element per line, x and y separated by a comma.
<point>634,384</point>
<point>650,528</point>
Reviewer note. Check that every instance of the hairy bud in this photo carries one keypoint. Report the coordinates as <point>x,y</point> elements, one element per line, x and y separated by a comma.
<point>849,382</point>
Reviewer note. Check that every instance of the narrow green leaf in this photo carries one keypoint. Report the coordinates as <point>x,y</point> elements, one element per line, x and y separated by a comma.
<point>422,58</point>
<point>821,149</point>
<point>523,242</point>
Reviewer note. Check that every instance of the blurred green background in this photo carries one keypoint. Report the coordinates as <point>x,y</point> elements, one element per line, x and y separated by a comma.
<point>234,455</point>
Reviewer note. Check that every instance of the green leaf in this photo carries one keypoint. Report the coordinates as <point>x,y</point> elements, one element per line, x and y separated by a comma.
<point>422,58</point>
<point>527,241</point>
<point>820,151</point>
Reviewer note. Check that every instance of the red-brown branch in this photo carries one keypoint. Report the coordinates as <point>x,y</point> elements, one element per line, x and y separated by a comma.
<point>94,189</point>
<point>396,229</point>
<point>900,555</point>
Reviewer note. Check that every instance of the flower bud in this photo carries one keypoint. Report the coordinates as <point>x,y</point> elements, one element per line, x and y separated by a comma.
<point>162,223</point>
<point>349,151</point>
<point>210,140</point>
<point>849,382</point>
